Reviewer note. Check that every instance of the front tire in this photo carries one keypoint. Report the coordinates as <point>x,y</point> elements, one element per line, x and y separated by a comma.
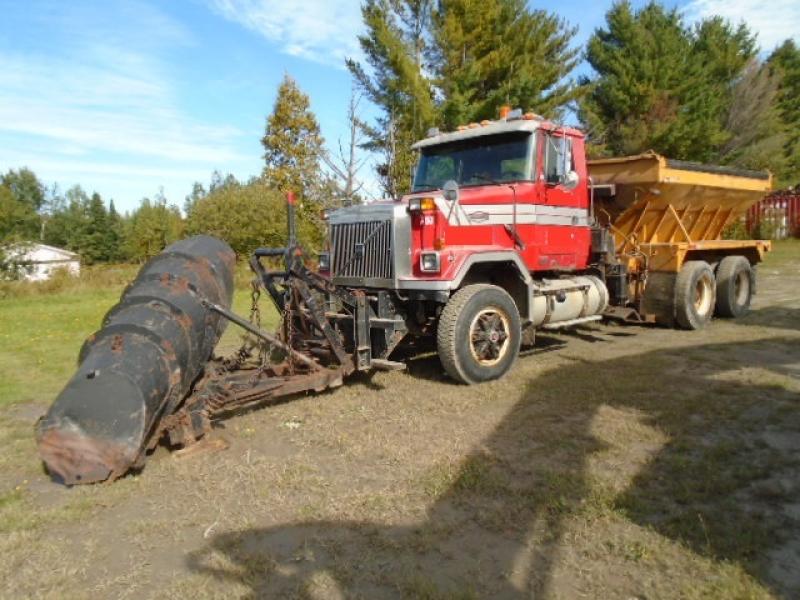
<point>734,286</point>
<point>479,334</point>
<point>695,294</point>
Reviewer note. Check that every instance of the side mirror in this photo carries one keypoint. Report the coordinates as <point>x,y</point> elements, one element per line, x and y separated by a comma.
<point>450,191</point>
<point>571,180</point>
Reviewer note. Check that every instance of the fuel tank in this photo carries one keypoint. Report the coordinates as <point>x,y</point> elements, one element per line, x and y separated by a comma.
<point>556,300</point>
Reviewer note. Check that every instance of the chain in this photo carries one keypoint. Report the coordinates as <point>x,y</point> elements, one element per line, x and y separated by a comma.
<point>255,312</point>
<point>240,357</point>
<point>237,360</point>
<point>255,319</point>
<point>288,317</point>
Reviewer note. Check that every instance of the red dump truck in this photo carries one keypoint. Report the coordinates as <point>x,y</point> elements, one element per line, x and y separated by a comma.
<point>508,230</point>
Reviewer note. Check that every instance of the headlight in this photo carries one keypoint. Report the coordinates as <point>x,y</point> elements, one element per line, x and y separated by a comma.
<point>429,262</point>
<point>325,261</point>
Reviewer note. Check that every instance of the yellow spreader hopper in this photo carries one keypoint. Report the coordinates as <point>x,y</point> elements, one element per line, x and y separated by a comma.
<point>666,208</point>
<point>666,212</point>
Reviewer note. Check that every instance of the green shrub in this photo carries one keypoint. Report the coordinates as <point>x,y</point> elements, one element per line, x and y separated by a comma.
<point>248,216</point>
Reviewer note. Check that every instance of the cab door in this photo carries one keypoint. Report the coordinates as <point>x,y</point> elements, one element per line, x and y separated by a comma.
<point>562,219</point>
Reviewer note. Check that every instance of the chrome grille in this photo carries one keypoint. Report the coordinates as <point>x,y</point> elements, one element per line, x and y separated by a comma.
<point>362,250</point>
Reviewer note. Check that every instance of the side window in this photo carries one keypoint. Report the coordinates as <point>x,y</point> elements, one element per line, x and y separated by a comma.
<point>557,158</point>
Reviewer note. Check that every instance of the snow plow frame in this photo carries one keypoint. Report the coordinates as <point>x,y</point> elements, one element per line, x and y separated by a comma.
<point>326,333</point>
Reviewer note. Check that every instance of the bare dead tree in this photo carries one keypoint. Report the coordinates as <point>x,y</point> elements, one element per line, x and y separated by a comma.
<point>346,163</point>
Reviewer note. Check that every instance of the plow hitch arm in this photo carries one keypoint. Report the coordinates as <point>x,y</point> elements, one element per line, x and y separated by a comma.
<point>260,333</point>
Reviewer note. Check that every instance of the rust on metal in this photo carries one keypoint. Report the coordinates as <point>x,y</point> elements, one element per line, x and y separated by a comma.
<point>74,458</point>
<point>140,365</point>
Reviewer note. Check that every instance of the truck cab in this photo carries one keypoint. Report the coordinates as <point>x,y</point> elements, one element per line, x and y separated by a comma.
<point>499,211</point>
<point>521,186</point>
<point>517,189</point>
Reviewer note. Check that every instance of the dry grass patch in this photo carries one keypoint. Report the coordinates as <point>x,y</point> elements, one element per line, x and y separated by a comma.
<point>612,462</point>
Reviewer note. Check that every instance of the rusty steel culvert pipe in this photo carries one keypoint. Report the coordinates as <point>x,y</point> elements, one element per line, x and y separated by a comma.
<point>140,365</point>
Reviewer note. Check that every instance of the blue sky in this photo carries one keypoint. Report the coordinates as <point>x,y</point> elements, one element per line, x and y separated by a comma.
<point>128,96</point>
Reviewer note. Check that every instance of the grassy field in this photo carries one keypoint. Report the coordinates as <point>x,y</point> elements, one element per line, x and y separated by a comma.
<point>42,331</point>
<point>612,462</point>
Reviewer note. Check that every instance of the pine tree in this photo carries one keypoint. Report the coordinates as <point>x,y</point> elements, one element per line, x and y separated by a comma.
<point>724,50</point>
<point>660,85</point>
<point>785,64</point>
<point>95,245</point>
<point>394,47</point>
<point>293,144</point>
<point>116,233</point>
<point>452,63</point>
<point>489,53</point>
<point>726,56</point>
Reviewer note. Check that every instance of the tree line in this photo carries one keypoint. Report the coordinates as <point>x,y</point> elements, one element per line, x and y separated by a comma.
<point>701,91</point>
<point>691,91</point>
<point>246,214</point>
<point>81,222</point>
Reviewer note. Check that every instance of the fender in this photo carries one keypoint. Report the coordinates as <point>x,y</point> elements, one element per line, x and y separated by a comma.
<point>478,258</point>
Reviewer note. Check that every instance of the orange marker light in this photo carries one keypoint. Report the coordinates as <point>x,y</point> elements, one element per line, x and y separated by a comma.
<point>504,110</point>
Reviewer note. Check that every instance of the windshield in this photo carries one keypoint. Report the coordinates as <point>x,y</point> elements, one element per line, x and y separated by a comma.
<point>475,161</point>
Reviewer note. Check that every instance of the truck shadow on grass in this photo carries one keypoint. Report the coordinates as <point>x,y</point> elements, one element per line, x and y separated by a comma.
<point>681,450</point>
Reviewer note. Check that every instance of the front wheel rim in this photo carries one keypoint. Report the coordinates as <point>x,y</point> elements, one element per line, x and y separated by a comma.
<point>489,336</point>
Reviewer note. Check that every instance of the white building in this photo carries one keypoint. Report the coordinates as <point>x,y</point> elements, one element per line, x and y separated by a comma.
<point>41,261</point>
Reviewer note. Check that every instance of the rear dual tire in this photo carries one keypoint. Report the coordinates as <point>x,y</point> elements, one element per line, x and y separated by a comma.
<point>735,284</point>
<point>695,295</point>
<point>699,293</point>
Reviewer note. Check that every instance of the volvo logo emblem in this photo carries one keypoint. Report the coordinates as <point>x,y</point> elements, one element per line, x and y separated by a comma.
<point>358,252</point>
<point>479,216</point>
